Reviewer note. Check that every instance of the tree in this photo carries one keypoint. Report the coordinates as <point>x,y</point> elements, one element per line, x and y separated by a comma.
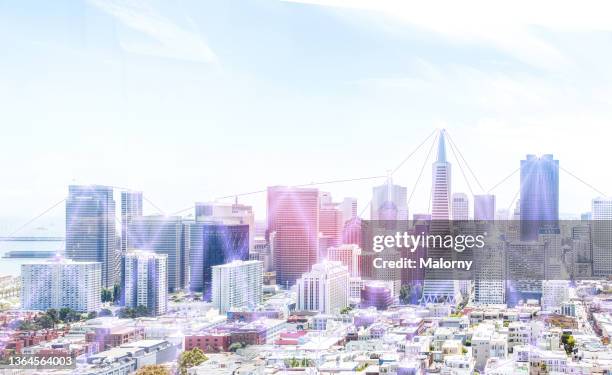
<point>235,346</point>
<point>63,313</point>
<point>92,315</point>
<point>191,358</point>
<point>54,315</point>
<point>116,293</point>
<point>141,311</point>
<point>153,370</point>
<point>568,343</point>
<point>106,295</point>
<point>105,312</point>
<point>404,296</point>
<point>346,310</point>
<point>45,321</point>
<point>28,325</point>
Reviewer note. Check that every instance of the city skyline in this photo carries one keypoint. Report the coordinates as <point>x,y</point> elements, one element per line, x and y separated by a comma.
<point>161,97</point>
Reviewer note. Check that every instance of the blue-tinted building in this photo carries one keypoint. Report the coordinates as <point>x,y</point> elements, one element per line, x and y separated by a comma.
<point>539,204</point>
<point>161,235</point>
<point>211,244</point>
<point>90,229</point>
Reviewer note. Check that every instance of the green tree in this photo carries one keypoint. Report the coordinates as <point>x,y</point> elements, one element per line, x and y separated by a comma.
<point>116,293</point>
<point>346,310</point>
<point>92,315</point>
<point>235,346</point>
<point>153,370</point>
<point>45,321</point>
<point>191,358</point>
<point>105,312</point>
<point>568,342</point>
<point>54,315</point>
<point>63,313</point>
<point>141,311</point>
<point>28,325</point>
<point>106,295</point>
<point>405,292</point>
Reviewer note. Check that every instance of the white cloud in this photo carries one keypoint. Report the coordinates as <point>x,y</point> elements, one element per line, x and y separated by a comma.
<point>165,38</point>
<point>507,26</point>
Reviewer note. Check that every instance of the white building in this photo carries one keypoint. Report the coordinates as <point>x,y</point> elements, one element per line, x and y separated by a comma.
<point>325,288</point>
<point>61,283</point>
<point>348,255</point>
<point>145,281</point>
<point>237,284</point>
<point>601,236</point>
<point>460,209</point>
<point>554,293</point>
<point>487,343</point>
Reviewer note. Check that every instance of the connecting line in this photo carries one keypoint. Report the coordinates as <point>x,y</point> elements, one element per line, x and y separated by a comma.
<point>584,182</point>
<point>465,161</point>
<point>153,204</point>
<point>416,183</point>
<point>503,180</point>
<point>35,218</point>
<point>412,153</point>
<point>461,168</point>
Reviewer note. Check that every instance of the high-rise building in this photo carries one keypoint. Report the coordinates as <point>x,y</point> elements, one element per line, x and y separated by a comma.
<point>484,207</point>
<point>489,275</point>
<point>90,229</point>
<point>389,202</point>
<point>145,281</point>
<point>539,202</point>
<point>293,224</point>
<point>227,213</point>
<point>348,255</point>
<point>325,288</point>
<point>554,293</point>
<point>131,207</point>
<point>525,270</point>
<point>161,235</point>
<point>330,223</point>
<point>237,284</point>
<point>61,283</point>
<point>601,236</point>
<point>348,206</point>
<point>436,287</point>
<point>212,244</point>
<point>461,204</point>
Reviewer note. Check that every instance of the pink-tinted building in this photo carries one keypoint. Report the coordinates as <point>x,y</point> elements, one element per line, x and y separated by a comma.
<point>293,228</point>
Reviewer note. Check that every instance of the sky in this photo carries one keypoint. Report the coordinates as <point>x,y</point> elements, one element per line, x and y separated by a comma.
<point>190,100</point>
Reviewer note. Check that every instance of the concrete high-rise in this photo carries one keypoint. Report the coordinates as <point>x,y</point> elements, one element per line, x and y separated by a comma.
<point>145,281</point>
<point>539,201</point>
<point>389,202</point>
<point>161,235</point>
<point>330,223</point>
<point>90,229</point>
<point>461,206</point>
<point>131,207</point>
<point>484,207</point>
<point>237,284</point>
<point>348,206</point>
<point>293,227</point>
<point>212,244</point>
<point>601,236</point>
<point>325,288</point>
<point>227,213</point>
<point>348,255</point>
<point>439,286</point>
<point>61,283</point>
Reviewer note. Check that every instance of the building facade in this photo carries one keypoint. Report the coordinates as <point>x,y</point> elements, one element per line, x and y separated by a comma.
<point>237,284</point>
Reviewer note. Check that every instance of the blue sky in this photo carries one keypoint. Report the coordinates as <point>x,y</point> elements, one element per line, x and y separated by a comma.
<point>192,100</point>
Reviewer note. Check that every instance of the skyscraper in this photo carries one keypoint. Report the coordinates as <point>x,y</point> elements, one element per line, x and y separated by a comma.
<point>484,207</point>
<point>61,283</point>
<point>131,207</point>
<point>539,202</point>
<point>237,284</point>
<point>293,223</point>
<point>437,288</point>
<point>161,235</point>
<point>389,202</point>
<point>145,281</point>
<point>330,224</point>
<point>348,255</point>
<point>212,244</point>
<point>325,288</point>
<point>461,204</point>
<point>90,229</point>
<point>348,206</point>
<point>227,213</point>
<point>601,236</point>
